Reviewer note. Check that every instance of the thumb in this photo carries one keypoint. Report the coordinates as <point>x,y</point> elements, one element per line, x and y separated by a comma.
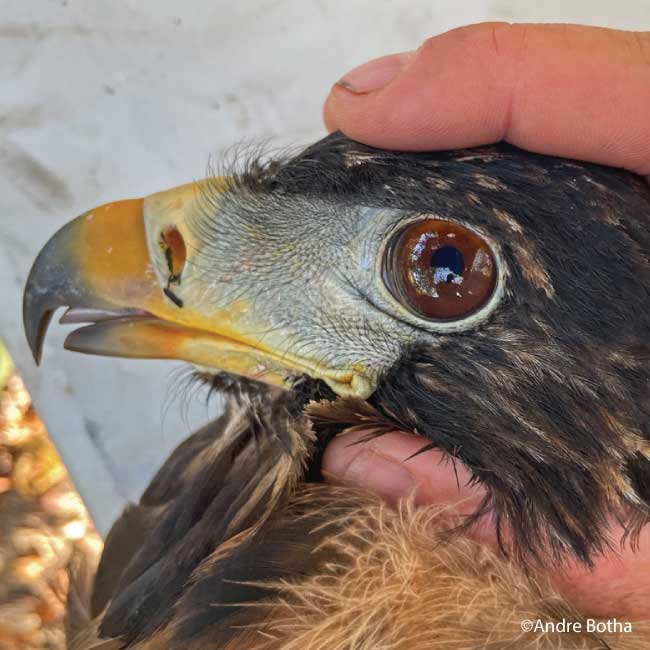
<point>566,90</point>
<point>387,466</point>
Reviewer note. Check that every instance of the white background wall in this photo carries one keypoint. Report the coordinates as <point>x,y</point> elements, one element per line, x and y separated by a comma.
<point>101,100</point>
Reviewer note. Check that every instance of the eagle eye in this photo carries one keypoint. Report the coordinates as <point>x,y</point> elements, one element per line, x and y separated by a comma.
<point>439,270</point>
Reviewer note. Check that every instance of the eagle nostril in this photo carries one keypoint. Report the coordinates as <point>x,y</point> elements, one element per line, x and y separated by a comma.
<point>173,246</point>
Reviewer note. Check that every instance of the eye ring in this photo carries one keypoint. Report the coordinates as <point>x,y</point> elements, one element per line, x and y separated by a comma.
<point>440,270</point>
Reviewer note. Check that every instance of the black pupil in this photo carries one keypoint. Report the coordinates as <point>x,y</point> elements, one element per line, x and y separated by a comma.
<point>450,258</point>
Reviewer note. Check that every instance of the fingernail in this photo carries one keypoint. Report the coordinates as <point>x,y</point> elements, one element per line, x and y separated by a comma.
<point>375,74</point>
<point>380,474</point>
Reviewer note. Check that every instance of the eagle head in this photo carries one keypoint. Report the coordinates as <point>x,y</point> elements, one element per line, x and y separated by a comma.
<point>493,301</point>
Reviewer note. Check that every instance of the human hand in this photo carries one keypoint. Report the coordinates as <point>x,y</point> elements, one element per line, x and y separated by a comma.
<point>566,90</point>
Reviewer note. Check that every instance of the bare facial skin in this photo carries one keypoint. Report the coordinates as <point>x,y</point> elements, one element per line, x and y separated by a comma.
<point>565,90</point>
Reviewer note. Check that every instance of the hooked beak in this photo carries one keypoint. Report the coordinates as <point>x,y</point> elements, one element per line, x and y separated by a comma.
<point>127,269</point>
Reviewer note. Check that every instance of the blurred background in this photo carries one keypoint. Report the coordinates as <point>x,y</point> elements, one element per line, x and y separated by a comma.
<point>113,99</point>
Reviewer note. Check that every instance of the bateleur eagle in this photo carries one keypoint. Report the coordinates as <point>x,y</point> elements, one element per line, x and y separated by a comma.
<point>494,301</point>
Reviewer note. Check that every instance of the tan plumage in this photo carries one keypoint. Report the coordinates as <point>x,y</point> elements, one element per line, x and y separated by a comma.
<point>398,582</point>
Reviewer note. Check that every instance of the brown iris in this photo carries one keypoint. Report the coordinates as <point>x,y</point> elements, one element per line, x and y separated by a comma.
<point>439,269</point>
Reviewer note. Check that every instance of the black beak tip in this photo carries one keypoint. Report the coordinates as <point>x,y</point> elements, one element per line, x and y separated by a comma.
<point>39,304</point>
<point>35,324</point>
<point>51,284</point>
